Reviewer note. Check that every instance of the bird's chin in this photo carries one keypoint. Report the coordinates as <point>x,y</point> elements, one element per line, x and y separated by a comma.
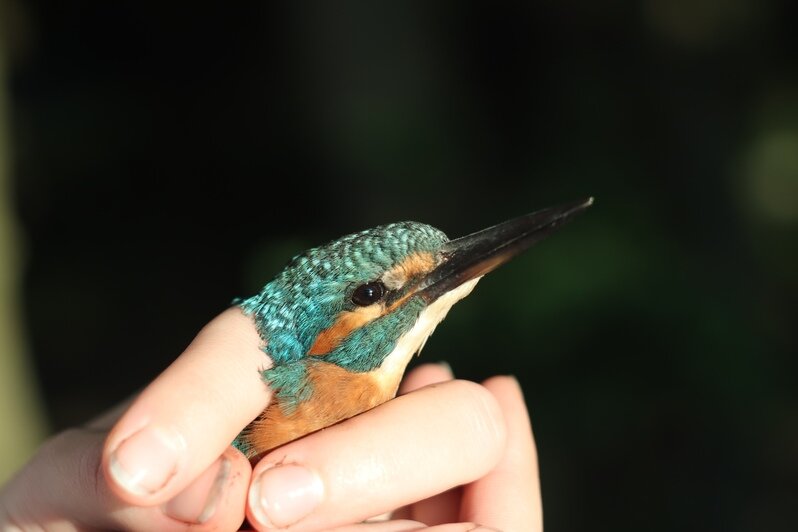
<point>390,372</point>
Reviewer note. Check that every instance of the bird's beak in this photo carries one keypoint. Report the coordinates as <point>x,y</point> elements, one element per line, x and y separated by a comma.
<point>475,255</point>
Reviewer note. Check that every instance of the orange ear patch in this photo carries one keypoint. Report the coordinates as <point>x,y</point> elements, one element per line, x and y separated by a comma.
<point>329,338</point>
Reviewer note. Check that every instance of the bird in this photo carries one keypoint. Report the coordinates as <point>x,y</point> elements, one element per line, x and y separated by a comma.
<point>341,322</point>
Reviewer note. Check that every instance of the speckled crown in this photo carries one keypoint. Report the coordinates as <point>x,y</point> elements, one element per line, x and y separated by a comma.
<point>306,296</point>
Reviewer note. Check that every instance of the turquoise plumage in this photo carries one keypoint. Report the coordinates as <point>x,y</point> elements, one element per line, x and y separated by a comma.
<point>305,298</point>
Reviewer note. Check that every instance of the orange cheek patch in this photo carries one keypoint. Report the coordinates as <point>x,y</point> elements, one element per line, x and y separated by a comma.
<point>346,322</point>
<point>328,339</point>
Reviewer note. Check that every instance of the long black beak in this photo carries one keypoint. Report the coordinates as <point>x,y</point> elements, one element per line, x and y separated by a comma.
<point>475,255</point>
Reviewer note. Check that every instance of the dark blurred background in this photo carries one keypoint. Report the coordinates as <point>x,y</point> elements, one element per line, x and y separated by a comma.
<point>169,159</point>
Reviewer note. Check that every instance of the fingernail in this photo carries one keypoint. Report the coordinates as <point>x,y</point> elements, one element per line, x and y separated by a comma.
<point>143,463</point>
<point>284,494</point>
<point>198,502</point>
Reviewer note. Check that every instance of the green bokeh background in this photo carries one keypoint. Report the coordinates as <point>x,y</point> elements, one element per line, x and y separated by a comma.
<point>655,337</point>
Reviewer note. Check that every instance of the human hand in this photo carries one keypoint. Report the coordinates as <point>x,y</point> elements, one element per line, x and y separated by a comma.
<point>451,455</point>
<point>167,461</point>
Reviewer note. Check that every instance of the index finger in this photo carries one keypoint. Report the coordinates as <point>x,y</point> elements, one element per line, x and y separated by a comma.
<point>188,416</point>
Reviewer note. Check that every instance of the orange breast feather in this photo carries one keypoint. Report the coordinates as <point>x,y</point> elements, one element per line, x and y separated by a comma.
<point>337,395</point>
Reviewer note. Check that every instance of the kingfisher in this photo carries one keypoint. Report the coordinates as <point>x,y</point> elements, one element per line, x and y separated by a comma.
<point>341,322</point>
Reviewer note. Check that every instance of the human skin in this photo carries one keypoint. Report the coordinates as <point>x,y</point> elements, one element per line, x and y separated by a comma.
<point>446,454</point>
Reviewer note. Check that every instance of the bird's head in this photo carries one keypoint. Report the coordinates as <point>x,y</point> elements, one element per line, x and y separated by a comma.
<point>368,301</point>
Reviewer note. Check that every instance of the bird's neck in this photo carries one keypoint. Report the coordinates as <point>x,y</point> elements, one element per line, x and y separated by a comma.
<point>337,395</point>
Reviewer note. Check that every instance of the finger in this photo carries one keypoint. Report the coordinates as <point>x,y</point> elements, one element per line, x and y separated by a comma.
<point>462,527</point>
<point>443,507</point>
<point>188,416</point>
<point>508,498</point>
<point>385,526</point>
<point>220,489</point>
<point>405,450</point>
<point>63,488</point>
<point>425,375</point>
<point>415,526</point>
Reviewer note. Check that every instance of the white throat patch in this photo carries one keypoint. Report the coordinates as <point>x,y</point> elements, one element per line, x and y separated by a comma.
<point>390,372</point>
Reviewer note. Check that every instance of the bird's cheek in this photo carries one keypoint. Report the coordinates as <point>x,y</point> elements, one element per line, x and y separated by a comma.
<point>346,322</point>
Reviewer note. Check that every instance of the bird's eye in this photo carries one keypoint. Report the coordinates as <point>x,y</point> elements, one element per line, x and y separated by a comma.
<point>366,294</point>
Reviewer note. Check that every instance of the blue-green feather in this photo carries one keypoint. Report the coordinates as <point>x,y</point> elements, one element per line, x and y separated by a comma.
<point>366,348</point>
<point>315,287</point>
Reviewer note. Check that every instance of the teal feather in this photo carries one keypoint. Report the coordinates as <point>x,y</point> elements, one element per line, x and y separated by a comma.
<point>366,348</point>
<point>315,287</point>
<point>290,382</point>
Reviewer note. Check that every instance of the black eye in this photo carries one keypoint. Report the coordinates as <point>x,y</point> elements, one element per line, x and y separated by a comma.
<point>366,294</point>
